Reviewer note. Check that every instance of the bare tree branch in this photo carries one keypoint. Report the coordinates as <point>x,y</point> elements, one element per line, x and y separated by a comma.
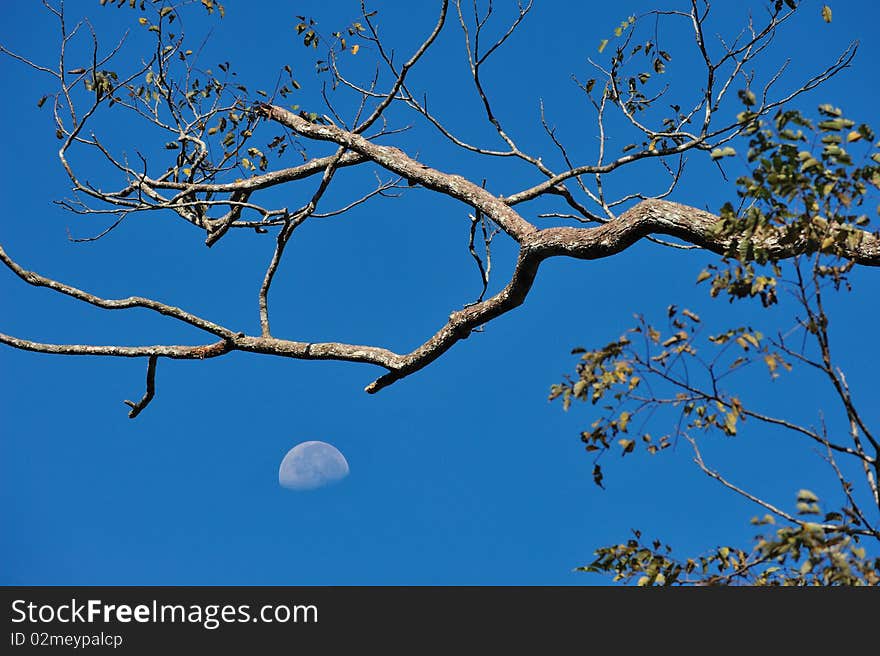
<point>211,173</point>
<point>137,407</point>
<point>711,473</point>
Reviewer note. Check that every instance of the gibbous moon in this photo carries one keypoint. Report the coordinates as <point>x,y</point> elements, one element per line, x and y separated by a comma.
<point>311,465</point>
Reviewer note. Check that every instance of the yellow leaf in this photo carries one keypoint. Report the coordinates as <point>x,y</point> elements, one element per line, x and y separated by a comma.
<point>142,20</point>
<point>704,275</point>
<point>355,48</point>
<point>730,424</point>
<point>826,13</point>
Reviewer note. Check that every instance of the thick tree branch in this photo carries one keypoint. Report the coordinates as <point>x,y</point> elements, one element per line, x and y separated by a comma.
<point>164,351</point>
<point>462,322</point>
<point>690,224</point>
<point>398,162</point>
<point>648,217</point>
<point>192,181</point>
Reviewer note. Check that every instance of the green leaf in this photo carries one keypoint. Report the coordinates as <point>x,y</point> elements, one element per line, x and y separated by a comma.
<point>835,124</point>
<point>810,163</point>
<point>806,496</point>
<point>830,110</point>
<point>718,153</point>
<point>747,96</point>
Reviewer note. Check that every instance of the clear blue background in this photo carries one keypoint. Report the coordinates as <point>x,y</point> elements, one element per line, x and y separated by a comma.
<point>462,473</point>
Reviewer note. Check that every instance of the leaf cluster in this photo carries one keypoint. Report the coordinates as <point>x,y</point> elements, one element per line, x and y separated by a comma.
<point>808,191</point>
<point>800,554</point>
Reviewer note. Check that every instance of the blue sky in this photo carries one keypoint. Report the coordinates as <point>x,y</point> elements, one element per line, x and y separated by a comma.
<point>460,474</point>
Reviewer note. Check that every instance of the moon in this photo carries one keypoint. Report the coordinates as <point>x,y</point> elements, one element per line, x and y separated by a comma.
<point>310,465</point>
